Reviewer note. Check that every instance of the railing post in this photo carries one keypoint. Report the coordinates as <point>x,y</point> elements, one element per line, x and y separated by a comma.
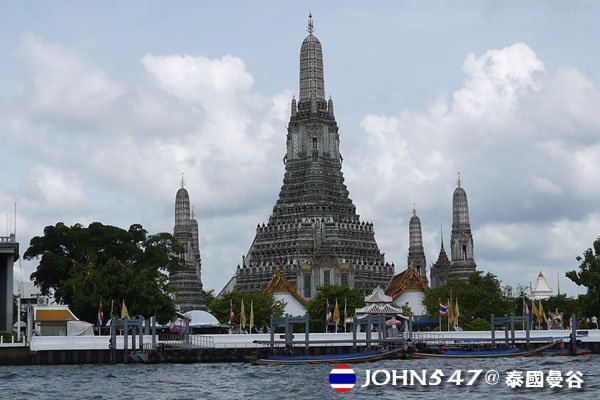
<point>527,332</point>
<point>512,328</point>
<point>493,323</point>
<point>125,342</point>
<point>354,330</point>
<point>306,333</point>
<point>369,327</point>
<point>573,343</point>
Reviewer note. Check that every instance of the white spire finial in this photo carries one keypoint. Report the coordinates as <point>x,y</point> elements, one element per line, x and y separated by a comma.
<point>310,28</point>
<point>182,181</point>
<point>414,209</point>
<point>458,179</point>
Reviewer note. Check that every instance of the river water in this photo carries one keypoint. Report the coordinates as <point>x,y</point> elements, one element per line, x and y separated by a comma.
<point>244,381</point>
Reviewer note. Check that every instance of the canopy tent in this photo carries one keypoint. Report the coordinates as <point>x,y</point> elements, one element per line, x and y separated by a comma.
<point>200,318</point>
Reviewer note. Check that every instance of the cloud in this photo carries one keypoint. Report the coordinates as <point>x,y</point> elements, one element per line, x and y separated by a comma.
<point>526,143</point>
<point>97,148</point>
<point>100,149</point>
<point>65,85</point>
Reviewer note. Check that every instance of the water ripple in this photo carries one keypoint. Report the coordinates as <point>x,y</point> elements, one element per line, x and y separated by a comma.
<point>226,381</point>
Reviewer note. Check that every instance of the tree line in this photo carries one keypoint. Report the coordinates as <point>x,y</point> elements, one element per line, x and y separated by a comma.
<point>85,266</point>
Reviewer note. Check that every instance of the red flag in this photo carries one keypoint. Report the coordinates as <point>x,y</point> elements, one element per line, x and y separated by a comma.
<point>525,308</point>
<point>231,315</point>
<point>328,316</point>
<point>100,319</point>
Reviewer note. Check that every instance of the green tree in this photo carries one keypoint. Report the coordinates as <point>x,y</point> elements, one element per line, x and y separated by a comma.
<point>478,297</point>
<point>329,293</point>
<point>264,305</point>
<point>82,267</point>
<point>208,296</point>
<point>589,276</point>
<point>565,305</point>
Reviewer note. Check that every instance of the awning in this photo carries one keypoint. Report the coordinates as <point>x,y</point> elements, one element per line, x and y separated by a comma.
<point>55,315</point>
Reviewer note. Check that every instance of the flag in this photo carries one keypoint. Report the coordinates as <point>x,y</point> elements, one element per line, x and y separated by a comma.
<point>543,317</point>
<point>328,315</point>
<point>124,312</point>
<point>336,313</point>
<point>456,313</point>
<point>450,313</point>
<point>251,315</point>
<point>535,310</point>
<point>100,319</point>
<point>243,316</point>
<point>231,315</point>
<point>345,314</point>
<point>525,308</point>
<point>443,309</point>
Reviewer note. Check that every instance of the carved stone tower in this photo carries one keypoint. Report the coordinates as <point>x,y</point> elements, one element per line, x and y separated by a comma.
<point>187,283</point>
<point>461,241</point>
<point>441,268</point>
<point>416,253</point>
<point>314,234</point>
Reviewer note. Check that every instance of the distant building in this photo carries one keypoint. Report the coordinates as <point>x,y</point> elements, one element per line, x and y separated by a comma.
<point>416,252</point>
<point>541,290</point>
<point>441,268</point>
<point>314,234</point>
<point>408,288</point>
<point>9,253</point>
<point>461,244</point>
<point>187,283</point>
<point>281,289</point>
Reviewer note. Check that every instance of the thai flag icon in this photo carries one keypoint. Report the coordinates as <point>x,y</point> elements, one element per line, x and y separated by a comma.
<point>342,378</point>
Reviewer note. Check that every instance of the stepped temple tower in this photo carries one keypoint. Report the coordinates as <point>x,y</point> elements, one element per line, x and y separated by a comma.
<point>462,263</point>
<point>416,252</point>
<point>441,268</point>
<point>461,241</point>
<point>187,283</point>
<point>314,235</point>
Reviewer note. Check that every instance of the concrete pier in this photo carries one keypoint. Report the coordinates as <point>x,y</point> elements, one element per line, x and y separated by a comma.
<point>9,253</point>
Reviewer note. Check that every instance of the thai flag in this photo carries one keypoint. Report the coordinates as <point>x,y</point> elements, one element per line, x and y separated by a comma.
<point>342,378</point>
<point>443,309</point>
<point>328,315</point>
<point>100,319</point>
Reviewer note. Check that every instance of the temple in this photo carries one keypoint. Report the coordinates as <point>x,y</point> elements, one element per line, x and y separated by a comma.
<point>187,283</point>
<point>314,235</point>
<point>461,244</point>
<point>408,288</point>
<point>416,252</point>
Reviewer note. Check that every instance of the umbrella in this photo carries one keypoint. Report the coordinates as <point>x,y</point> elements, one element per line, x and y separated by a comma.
<point>392,321</point>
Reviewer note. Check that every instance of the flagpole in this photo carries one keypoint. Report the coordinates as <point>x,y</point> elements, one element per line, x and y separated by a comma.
<point>345,314</point>
<point>439,315</point>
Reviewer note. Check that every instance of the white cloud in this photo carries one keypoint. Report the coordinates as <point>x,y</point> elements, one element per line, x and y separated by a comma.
<point>524,139</point>
<point>65,85</point>
<point>104,150</point>
<point>527,146</point>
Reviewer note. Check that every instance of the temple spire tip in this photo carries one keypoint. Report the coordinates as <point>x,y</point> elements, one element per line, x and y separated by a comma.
<point>310,28</point>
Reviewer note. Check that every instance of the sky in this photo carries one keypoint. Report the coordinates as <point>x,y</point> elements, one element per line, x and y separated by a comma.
<point>103,106</point>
